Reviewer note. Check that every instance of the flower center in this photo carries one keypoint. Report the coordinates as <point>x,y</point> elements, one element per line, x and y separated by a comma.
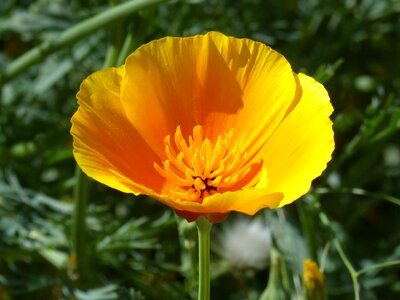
<point>198,168</point>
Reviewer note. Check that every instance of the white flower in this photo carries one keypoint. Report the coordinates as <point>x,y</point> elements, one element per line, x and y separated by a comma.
<point>246,243</point>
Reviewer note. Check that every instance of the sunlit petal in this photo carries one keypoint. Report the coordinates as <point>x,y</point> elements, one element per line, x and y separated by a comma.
<point>302,145</point>
<point>213,80</point>
<point>105,143</point>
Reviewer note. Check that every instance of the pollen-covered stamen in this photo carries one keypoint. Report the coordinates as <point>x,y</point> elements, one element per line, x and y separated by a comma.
<point>197,168</point>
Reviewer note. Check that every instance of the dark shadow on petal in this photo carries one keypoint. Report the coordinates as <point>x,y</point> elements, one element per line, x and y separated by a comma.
<point>297,96</point>
<point>219,90</point>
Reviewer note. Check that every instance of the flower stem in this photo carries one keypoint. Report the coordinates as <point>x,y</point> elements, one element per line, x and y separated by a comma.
<point>204,229</point>
<point>308,229</point>
<point>81,195</point>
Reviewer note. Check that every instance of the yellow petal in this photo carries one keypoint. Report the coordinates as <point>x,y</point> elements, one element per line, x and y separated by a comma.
<point>260,76</point>
<point>248,201</point>
<point>106,146</point>
<point>157,91</point>
<point>212,80</point>
<point>300,148</point>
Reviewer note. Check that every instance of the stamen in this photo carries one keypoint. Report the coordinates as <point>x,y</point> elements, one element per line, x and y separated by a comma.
<point>196,168</point>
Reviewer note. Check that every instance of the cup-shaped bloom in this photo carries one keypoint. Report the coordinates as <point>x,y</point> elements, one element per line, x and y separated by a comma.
<point>206,124</point>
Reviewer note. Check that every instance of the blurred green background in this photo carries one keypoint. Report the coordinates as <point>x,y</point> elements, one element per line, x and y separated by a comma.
<point>130,248</point>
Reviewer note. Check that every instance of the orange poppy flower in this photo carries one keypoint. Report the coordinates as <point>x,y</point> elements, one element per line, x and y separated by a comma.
<point>206,124</point>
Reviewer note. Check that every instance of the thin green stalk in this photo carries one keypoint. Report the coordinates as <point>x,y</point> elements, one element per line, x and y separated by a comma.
<point>353,273</point>
<point>189,261</point>
<point>204,230</point>
<point>350,268</point>
<point>378,266</point>
<point>277,287</point>
<point>116,33</point>
<point>324,256</point>
<point>72,35</point>
<point>308,229</point>
<point>360,192</point>
<point>127,47</point>
<point>81,195</point>
<point>82,182</point>
<point>115,45</point>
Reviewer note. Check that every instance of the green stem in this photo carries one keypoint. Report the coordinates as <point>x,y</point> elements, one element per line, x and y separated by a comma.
<point>114,47</point>
<point>360,192</point>
<point>116,33</point>
<point>138,30</point>
<point>72,35</point>
<point>127,47</point>
<point>188,243</point>
<point>378,266</point>
<point>204,229</point>
<point>350,268</point>
<point>81,195</point>
<point>353,273</point>
<point>308,229</point>
<point>278,286</point>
